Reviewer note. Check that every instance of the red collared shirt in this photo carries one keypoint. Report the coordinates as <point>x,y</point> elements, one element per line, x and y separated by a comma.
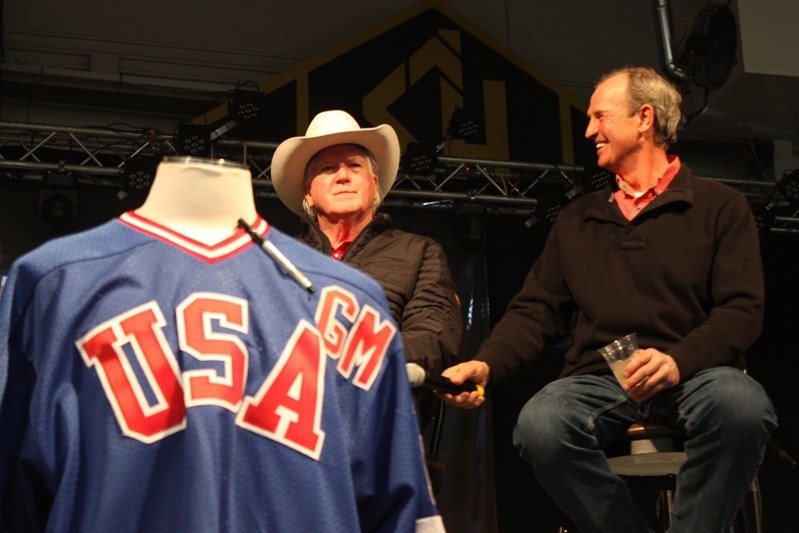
<point>338,253</point>
<point>631,205</point>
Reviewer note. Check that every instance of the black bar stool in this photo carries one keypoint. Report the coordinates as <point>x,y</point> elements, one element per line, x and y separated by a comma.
<point>649,458</point>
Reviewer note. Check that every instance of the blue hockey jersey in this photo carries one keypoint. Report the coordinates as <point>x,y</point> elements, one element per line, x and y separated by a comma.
<point>149,382</point>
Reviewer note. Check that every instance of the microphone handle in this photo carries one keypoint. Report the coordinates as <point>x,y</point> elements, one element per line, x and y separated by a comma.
<point>442,384</point>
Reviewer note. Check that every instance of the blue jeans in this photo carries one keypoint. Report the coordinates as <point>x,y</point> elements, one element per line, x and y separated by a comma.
<point>727,418</point>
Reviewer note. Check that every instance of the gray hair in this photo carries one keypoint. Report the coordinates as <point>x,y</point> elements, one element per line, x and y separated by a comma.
<point>311,212</point>
<point>645,86</point>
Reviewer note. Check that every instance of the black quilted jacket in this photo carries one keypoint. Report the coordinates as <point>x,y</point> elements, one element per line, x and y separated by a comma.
<point>413,271</point>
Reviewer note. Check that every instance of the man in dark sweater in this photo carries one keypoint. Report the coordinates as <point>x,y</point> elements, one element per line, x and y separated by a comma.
<point>673,258</point>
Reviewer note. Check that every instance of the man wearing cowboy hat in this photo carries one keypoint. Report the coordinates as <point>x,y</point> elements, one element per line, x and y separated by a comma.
<point>335,178</point>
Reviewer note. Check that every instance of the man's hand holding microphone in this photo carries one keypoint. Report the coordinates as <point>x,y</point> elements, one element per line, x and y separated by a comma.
<point>462,385</point>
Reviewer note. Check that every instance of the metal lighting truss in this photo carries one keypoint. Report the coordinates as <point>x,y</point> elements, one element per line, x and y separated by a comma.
<point>104,157</point>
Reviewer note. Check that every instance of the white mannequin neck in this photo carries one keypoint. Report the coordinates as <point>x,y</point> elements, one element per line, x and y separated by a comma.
<point>200,199</point>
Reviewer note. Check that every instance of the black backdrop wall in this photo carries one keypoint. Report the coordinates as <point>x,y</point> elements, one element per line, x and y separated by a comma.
<point>486,487</point>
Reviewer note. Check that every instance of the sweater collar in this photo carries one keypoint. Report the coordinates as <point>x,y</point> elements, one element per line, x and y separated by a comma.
<point>602,205</point>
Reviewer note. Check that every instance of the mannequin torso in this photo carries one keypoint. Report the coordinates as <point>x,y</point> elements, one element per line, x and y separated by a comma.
<point>200,199</point>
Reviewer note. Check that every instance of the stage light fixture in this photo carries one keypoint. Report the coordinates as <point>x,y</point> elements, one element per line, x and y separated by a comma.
<point>590,181</point>
<point>57,207</point>
<point>138,174</point>
<point>193,140</point>
<point>419,159</point>
<point>596,180</point>
<point>548,206</point>
<point>58,198</point>
<point>788,187</point>
<point>246,106</point>
<point>764,215</point>
<point>464,124</point>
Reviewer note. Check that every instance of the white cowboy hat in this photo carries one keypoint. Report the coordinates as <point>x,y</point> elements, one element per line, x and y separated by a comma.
<point>329,128</point>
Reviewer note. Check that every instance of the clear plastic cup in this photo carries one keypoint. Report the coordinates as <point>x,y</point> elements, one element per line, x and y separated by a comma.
<point>618,354</point>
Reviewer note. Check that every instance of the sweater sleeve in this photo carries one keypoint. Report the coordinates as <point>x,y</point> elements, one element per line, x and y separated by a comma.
<point>431,319</point>
<point>534,317</point>
<point>737,291</point>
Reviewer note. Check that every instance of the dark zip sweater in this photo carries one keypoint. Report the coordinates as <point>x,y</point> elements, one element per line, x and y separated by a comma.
<point>685,275</point>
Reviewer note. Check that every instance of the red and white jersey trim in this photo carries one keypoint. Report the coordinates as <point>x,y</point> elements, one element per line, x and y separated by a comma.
<point>238,241</point>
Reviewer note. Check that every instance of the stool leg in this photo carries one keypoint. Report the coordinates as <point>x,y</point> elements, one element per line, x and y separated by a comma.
<point>750,516</point>
<point>664,505</point>
<point>758,504</point>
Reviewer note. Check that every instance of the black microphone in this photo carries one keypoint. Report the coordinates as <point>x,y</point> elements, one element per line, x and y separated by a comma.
<point>420,378</point>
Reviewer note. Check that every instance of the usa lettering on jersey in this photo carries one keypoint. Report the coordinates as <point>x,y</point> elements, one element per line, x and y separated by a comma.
<point>150,398</point>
